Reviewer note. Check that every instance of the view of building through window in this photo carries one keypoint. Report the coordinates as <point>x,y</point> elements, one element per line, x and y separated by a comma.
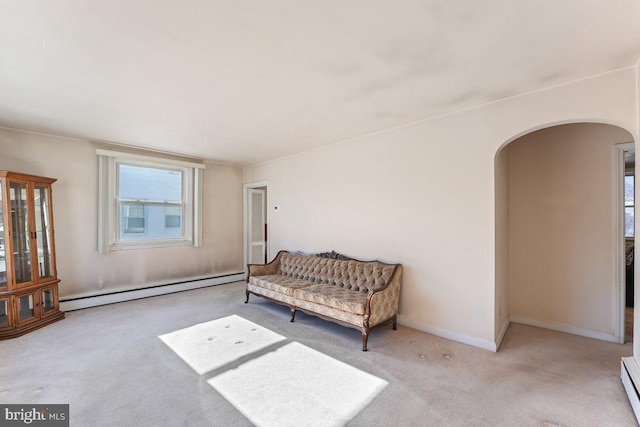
<point>150,202</point>
<point>629,204</point>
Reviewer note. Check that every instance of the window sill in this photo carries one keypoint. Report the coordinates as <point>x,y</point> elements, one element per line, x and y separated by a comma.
<point>149,244</point>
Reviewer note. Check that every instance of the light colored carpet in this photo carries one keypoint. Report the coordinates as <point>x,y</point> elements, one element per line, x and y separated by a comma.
<point>109,365</point>
<point>211,345</point>
<point>298,386</point>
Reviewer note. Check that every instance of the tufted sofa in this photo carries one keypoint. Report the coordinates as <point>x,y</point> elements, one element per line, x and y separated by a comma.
<point>356,294</point>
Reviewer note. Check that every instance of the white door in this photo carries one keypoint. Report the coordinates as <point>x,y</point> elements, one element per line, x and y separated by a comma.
<point>257,240</point>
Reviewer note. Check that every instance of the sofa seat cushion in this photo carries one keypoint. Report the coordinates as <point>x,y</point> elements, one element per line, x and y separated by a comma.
<point>334,297</point>
<point>278,283</point>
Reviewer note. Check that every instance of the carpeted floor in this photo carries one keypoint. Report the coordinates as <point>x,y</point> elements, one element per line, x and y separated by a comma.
<point>212,345</point>
<point>295,385</point>
<point>110,366</point>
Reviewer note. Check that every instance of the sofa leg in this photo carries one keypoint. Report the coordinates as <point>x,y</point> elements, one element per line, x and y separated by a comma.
<point>395,323</point>
<point>365,337</point>
<point>293,314</point>
<point>247,292</point>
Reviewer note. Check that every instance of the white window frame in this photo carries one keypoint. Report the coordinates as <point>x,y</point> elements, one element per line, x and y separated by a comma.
<point>108,209</point>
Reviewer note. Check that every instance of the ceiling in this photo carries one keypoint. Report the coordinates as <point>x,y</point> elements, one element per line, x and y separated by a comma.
<point>243,82</point>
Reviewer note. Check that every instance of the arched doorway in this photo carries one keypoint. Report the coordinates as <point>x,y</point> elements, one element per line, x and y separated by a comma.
<point>556,262</point>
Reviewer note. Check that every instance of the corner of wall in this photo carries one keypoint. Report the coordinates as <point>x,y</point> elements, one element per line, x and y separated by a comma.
<point>502,332</point>
<point>453,336</point>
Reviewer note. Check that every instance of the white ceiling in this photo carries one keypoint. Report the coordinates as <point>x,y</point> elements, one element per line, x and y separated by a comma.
<point>246,81</point>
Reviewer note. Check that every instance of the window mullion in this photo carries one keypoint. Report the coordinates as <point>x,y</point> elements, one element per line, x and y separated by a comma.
<point>148,202</point>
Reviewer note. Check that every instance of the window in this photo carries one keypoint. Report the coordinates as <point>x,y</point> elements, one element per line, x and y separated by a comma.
<point>629,206</point>
<point>148,202</point>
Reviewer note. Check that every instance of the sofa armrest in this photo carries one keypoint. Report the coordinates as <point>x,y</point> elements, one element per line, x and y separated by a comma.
<point>383,304</point>
<point>264,269</point>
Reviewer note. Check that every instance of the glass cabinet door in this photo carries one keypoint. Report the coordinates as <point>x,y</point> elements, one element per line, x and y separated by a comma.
<point>20,225</point>
<point>3,264</point>
<point>48,301</point>
<point>4,312</point>
<point>43,232</point>
<point>26,308</point>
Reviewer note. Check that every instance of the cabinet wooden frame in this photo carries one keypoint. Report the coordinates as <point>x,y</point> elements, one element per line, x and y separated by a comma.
<point>29,245</point>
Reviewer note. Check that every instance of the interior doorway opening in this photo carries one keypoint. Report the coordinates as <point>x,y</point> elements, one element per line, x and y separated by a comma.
<point>256,223</point>
<point>626,205</point>
<point>554,236</point>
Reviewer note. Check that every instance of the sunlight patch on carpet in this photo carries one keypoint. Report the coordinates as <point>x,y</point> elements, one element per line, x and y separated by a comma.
<point>298,386</point>
<point>208,346</point>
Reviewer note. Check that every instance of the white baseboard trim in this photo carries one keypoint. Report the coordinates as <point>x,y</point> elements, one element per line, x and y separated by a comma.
<point>502,332</point>
<point>453,336</point>
<point>562,327</point>
<point>79,302</point>
<point>630,375</point>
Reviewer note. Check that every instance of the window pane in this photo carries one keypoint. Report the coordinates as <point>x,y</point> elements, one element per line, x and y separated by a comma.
<point>172,216</point>
<point>132,219</point>
<point>149,184</point>
<point>628,190</point>
<point>629,221</point>
<point>148,222</point>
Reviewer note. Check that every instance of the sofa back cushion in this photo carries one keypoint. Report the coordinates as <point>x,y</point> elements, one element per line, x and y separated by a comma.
<point>354,275</point>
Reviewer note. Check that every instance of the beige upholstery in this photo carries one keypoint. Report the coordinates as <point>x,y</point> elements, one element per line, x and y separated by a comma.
<point>273,295</point>
<point>354,275</point>
<point>329,312</point>
<point>334,297</point>
<point>278,283</point>
<point>359,294</point>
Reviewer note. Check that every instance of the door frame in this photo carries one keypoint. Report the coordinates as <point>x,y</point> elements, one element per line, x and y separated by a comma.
<point>245,222</point>
<point>619,240</point>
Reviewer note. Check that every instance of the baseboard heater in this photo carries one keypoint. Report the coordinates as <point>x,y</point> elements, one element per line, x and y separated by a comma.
<point>77,303</point>
<point>630,374</point>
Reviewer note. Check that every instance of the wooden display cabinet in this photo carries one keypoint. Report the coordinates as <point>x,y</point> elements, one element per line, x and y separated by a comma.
<point>28,277</point>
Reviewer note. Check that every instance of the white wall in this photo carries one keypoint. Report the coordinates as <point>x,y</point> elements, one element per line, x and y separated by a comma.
<point>81,268</point>
<point>562,235</point>
<point>423,195</point>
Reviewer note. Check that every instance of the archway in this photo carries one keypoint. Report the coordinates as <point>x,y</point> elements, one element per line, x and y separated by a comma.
<point>555,234</point>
